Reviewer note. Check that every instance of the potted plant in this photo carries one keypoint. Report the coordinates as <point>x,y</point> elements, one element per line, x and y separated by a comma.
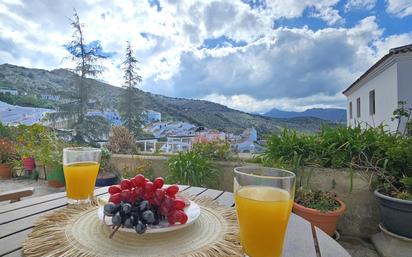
<point>27,140</point>
<point>107,175</point>
<point>322,209</point>
<point>394,195</point>
<point>54,161</point>
<point>7,154</point>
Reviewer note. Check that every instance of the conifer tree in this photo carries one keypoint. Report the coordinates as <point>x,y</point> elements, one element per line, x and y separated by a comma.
<point>80,100</point>
<point>130,104</point>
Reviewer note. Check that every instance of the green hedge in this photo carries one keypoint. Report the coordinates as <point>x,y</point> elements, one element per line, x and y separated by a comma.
<point>388,154</point>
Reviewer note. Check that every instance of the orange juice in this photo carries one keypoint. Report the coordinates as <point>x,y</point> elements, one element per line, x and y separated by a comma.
<point>80,179</point>
<point>263,214</point>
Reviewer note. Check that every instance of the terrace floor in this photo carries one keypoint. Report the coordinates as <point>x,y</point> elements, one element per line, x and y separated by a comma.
<point>355,246</point>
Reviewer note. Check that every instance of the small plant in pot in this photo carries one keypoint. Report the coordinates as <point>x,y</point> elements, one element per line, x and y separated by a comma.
<point>107,175</point>
<point>321,208</point>
<point>394,195</point>
<point>7,154</point>
<point>55,177</point>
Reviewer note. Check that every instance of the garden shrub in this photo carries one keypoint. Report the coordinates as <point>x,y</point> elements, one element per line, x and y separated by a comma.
<point>388,155</point>
<point>214,150</point>
<point>192,168</point>
<point>121,141</point>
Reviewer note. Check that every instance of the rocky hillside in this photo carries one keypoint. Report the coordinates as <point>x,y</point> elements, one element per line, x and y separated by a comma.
<point>199,112</point>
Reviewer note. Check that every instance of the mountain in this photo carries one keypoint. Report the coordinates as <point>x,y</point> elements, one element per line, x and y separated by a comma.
<point>199,112</point>
<point>330,114</point>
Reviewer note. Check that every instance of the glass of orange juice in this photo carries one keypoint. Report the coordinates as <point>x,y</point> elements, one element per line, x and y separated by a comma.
<point>81,165</point>
<point>264,199</point>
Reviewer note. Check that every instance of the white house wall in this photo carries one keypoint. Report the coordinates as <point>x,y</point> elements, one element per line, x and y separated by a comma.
<point>405,80</point>
<point>386,98</point>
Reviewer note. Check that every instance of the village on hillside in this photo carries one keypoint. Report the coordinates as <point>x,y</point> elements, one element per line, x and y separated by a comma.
<point>163,136</point>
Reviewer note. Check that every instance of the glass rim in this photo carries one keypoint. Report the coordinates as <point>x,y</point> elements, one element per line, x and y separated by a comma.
<point>81,149</point>
<point>291,175</point>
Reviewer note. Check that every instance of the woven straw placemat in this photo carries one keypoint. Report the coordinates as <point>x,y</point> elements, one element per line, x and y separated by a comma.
<point>74,231</point>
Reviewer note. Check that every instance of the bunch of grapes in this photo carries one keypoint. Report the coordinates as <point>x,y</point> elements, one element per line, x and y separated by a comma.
<point>139,202</point>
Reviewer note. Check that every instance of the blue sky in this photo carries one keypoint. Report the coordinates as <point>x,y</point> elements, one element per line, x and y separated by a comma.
<point>251,55</point>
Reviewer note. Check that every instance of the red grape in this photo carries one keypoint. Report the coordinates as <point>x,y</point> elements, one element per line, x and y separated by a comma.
<point>115,189</point>
<point>179,204</point>
<point>168,201</point>
<point>125,194</point>
<point>139,191</point>
<point>148,195</point>
<point>148,187</point>
<point>126,184</point>
<point>133,194</point>
<point>177,215</point>
<point>164,210</point>
<point>160,193</point>
<point>170,219</point>
<point>158,182</point>
<point>115,198</point>
<point>138,180</point>
<point>172,190</point>
<point>183,218</point>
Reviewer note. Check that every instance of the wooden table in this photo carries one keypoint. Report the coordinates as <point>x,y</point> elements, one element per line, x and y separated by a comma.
<point>17,219</point>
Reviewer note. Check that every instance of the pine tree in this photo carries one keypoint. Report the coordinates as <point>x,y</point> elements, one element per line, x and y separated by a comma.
<point>80,101</point>
<point>130,104</point>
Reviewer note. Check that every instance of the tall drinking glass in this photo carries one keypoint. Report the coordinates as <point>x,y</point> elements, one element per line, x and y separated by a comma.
<point>81,165</point>
<point>264,199</point>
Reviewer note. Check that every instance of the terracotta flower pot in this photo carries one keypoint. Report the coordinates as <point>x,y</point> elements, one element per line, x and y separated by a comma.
<point>55,183</point>
<point>5,171</point>
<point>29,163</point>
<point>323,220</point>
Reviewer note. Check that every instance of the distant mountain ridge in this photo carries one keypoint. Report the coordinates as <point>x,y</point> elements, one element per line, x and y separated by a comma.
<point>330,114</point>
<point>198,112</point>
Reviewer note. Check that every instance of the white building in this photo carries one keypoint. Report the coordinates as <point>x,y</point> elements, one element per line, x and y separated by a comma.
<point>373,97</point>
<point>5,91</point>
<point>50,97</point>
<point>153,116</point>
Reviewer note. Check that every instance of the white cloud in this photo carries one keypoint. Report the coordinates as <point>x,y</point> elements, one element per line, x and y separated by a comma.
<point>323,9</point>
<point>400,8</point>
<point>360,4</point>
<point>288,68</point>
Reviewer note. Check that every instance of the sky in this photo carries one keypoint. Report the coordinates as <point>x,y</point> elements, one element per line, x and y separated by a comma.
<point>250,55</point>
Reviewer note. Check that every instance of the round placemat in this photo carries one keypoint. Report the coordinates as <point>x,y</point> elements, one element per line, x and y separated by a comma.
<point>75,231</point>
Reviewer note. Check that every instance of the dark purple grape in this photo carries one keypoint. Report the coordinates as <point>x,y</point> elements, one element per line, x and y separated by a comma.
<point>117,219</point>
<point>144,205</point>
<point>128,223</point>
<point>140,228</point>
<point>148,217</point>
<point>127,208</point>
<point>110,209</point>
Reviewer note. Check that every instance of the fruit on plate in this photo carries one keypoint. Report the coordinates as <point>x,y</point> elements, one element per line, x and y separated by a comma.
<point>138,202</point>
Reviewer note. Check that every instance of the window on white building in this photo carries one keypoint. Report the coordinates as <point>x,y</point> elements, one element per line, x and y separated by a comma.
<point>358,107</point>
<point>372,102</point>
<point>350,110</point>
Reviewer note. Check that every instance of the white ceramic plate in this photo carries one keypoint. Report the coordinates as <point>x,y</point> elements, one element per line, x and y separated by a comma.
<point>192,211</point>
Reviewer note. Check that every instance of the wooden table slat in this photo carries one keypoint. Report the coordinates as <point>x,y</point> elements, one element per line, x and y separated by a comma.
<point>226,199</point>
<point>211,193</point>
<point>13,242</point>
<point>13,231</point>
<point>298,240</point>
<point>31,201</point>
<point>41,199</point>
<point>328,246</point>
<point>17,253</point>
<point>195,190</point>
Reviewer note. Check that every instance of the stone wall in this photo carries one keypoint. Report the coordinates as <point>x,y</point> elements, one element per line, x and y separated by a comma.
<point>361,218</point>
